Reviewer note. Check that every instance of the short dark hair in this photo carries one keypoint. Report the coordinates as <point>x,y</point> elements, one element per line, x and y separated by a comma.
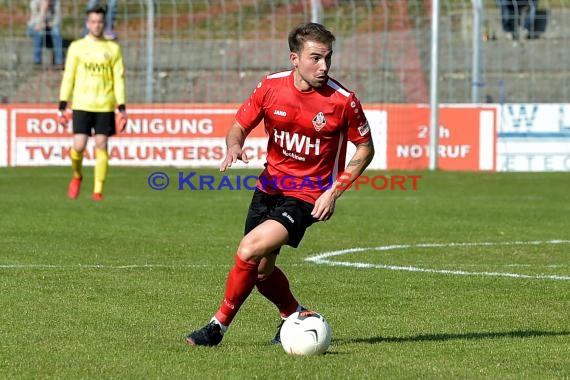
<point>99,9</point>
<point>309,32</point>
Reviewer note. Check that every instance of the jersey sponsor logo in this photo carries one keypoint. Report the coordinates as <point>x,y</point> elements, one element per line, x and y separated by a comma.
<point>293,155</point>
<point>319,121</point>
<point>364,129</point>
<point>280,113</point>
<point>95,67</point>
<point>294,144</point>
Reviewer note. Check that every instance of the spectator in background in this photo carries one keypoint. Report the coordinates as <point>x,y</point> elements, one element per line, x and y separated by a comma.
<point>44,28</point>
<point>511,16</point>
<point>111,14</point>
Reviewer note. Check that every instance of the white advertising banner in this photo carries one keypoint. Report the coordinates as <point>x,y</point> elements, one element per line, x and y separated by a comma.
<point>534,137</point>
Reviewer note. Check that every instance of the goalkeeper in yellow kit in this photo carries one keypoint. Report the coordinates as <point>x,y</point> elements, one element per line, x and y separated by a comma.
<point>95,84</point>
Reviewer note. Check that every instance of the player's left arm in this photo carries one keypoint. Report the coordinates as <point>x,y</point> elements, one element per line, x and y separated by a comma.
<point>67,83</point>
<point>119,90</point>
<point>358,133</point>
<point>325,204</point>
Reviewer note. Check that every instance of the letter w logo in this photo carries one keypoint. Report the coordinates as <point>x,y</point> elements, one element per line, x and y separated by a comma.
<point>523,116</point>
<point>95,67</point>
<point>295,141</point>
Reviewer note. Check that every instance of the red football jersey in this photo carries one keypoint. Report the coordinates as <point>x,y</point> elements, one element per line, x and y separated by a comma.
<point>308,133</point>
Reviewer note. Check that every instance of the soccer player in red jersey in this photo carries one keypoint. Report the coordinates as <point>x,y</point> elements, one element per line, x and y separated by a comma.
<point>308,117</point>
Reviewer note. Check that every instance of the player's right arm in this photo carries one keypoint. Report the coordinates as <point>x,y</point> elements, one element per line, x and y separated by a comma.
<point>248,117</point>
<point>67,83</point>
<point>234,142</point>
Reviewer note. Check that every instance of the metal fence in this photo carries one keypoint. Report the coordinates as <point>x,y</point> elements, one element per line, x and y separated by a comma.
<point>216,51</point>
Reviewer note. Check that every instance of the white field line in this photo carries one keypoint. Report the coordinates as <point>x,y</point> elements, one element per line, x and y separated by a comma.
<point>323,258</point>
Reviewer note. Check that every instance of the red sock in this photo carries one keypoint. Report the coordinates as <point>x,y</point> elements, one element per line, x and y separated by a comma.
<point>275,288</point>
<point>240,283</point>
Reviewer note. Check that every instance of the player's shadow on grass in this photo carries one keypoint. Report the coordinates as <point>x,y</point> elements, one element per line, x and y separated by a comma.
<point>446,337</point>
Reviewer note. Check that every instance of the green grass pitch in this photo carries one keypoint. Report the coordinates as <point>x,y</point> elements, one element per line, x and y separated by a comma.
<point>110,289</point>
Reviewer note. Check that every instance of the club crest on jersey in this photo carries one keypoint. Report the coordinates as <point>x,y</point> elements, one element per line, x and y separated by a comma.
<point>319,121</point>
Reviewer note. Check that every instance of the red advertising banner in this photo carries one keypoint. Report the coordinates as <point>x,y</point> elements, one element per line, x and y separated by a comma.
<point>186,135</point>
<point>466,138</point>
<point>194,135</point>
<point>144,121</point>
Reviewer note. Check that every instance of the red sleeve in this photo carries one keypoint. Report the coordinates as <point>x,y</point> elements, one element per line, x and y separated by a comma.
<point>358,128</point>
<point>252,111</point>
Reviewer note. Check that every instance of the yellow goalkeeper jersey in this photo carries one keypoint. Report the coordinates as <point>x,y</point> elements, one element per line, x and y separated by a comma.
<point>94,74</point>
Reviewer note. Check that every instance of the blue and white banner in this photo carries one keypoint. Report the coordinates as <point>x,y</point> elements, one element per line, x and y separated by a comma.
<point>533,137</point>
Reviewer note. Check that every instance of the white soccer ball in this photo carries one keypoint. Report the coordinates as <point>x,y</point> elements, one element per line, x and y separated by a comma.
<point>306,333</point>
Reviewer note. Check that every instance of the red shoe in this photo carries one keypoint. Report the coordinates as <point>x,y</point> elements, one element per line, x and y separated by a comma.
<point>74,186</point>
<point>97,197</point>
